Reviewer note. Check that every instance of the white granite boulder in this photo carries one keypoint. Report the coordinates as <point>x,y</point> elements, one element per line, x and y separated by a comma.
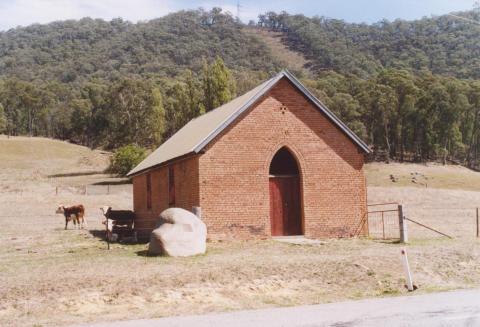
<point>179,233</point>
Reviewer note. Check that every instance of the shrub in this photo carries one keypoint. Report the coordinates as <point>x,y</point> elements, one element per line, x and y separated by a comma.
<point>126,158</point>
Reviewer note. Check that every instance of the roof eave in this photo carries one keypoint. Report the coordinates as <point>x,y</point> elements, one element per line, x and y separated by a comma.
<point>133,173</point>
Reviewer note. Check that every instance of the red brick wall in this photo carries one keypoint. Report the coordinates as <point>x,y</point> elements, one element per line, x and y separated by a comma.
<point>186,193</point>
<point>233,173</point>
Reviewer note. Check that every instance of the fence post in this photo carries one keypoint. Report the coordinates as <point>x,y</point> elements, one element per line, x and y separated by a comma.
<point>383,226</point>
<point>107,238</point>
<point>402,225</point>
<point>478,231</point>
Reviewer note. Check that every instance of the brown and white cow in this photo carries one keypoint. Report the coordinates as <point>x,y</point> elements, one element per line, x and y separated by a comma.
<point>74,213</point>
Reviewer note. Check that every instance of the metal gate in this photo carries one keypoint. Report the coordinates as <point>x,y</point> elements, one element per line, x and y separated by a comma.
<point>383,220</point>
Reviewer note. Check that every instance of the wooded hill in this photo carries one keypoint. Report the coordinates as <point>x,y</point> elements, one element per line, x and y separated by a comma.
<point>408,88</point>
<point>76,51</point>
<point>447,45</point>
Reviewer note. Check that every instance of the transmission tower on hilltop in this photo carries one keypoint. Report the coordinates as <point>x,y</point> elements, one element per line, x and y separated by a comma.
<point>238,10</point>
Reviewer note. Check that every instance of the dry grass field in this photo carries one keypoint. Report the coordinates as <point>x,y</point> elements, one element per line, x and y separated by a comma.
<point>431,175</point>
<point>50,276</point>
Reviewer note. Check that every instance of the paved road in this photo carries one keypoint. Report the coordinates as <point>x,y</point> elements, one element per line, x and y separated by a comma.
<point>459,308</point>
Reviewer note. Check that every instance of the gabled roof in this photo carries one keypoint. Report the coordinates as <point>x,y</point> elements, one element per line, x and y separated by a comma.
<point>199,132</point>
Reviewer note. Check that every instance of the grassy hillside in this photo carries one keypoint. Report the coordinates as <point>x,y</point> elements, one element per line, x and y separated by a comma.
<point>31,163</point>
<point>430,175</point>
<point>48,155</point>
<point>35,162</point>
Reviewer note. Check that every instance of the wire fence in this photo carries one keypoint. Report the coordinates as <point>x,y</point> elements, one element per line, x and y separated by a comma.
<point>383,219</point>
<point>452,221</point>
<point>422,222</point>
<point>94,189</point>
<point>77,190</point>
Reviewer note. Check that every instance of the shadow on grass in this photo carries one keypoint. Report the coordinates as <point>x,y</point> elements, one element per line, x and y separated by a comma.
<point>388,241</point>
<point>83,173</point>
<point>118,182</point>
<point>144,253</point>
<point>100,234</point>
<point>97,233</point>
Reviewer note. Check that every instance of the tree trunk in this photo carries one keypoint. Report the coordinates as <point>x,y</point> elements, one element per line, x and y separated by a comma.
<point>472,138</point>
<point>445,152</point>
<point>387,142</point>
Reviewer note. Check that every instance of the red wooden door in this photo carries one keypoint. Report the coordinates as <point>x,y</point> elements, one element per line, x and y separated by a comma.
<point>285,213</point>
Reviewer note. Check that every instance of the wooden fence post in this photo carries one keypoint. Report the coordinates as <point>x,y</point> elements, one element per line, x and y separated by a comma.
<point>107,238</point>
<point>383,225</point>
<point>402,225</point>
<point>478,231</point>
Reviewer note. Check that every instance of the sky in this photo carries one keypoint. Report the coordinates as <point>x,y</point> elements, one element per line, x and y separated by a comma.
<point>15,13</point>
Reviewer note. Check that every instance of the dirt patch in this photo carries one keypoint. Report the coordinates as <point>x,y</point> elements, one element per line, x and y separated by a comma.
<point>274,40</point>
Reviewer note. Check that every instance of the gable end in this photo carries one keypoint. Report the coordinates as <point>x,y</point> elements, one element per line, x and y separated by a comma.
<point>297,84</point>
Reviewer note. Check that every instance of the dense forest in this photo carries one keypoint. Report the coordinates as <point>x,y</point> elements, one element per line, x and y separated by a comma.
<point>410,89</point>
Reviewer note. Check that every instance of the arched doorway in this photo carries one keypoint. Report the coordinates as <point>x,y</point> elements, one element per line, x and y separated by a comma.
<point>284,183</point>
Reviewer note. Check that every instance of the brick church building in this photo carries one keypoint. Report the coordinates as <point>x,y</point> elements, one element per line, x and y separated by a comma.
<point>272,162</point>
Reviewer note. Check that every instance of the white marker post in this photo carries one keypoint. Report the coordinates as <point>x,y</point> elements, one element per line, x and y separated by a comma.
<point>406,267</point>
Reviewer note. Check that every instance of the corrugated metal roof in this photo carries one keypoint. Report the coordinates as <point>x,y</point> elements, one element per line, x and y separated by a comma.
<point>196,134</point>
